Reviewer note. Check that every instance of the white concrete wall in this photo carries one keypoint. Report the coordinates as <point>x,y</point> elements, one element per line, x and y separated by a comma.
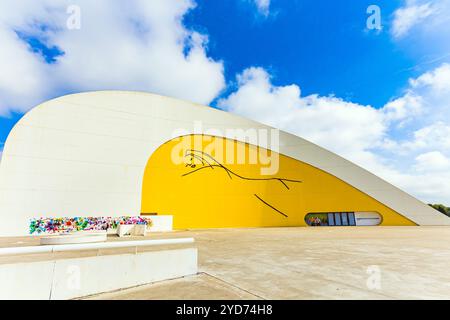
<point>85,154</point>
<point>161,223</point>
<point>73,278</point>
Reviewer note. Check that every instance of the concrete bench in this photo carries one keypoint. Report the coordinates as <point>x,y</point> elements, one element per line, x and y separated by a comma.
<point>74,238</point>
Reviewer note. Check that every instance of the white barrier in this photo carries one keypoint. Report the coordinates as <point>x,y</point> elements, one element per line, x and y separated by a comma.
<point>161,223</point>
<point>73,278</point>
<point>74,238</point>
<point>92,246</point>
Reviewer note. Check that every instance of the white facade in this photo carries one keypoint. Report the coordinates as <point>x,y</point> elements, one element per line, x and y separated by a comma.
<point>85,154</point>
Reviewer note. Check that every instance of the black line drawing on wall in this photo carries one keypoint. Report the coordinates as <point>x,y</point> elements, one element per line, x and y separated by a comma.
<point>209,162</point>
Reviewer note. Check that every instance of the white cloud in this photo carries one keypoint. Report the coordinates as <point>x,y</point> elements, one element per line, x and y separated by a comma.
<point>421,27</point>
<point>263,6</point>
<point>312,117</point>
<point>419,119</point>
<point>405,18</point>
<point>139,45</point>
<point>435,136</point>
<point>405,108</point>
<point>425,109</point>
<point>432,161</point>
<point>407,142</point>
<point>437,80</point>
<point>21,83</point>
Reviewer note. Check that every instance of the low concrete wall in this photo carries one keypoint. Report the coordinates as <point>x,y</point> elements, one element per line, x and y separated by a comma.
<point>72,278</point>
<point>73,238</point>
<point>161,223</point>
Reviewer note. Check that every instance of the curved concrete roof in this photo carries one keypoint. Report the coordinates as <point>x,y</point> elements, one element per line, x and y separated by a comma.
<point>86,153</point>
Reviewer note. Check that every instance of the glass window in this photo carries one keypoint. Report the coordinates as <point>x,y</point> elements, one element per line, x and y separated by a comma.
<point>331,219</point>
<point>344,219</point>
<point>351,219</point>
<point>337,219</point>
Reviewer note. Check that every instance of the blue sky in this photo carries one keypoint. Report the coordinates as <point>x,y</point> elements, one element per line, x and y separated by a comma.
<point>378,97</point>
<point>322,45</point>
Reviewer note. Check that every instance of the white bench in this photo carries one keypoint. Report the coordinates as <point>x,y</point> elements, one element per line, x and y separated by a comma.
<point>73,238</point>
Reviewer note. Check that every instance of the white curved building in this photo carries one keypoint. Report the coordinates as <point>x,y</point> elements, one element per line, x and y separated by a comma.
<point>95,154</point>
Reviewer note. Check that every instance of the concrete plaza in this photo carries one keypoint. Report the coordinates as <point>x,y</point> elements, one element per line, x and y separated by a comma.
<point>310,263</point>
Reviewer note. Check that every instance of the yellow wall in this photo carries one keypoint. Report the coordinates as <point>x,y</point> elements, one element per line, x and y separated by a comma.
<point>206,195</point>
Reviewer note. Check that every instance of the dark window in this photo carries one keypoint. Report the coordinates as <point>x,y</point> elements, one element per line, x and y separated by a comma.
<point>337,218</point>
<point>331,219</point>
<point>344,218</point>
<point>351,219</point>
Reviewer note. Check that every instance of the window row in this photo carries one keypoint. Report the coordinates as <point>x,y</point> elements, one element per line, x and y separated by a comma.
<point>331,219</point>
<point>368,218</point>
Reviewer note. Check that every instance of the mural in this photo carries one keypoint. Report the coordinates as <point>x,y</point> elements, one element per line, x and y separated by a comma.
<point>205,183</point>
<point>208,162</point>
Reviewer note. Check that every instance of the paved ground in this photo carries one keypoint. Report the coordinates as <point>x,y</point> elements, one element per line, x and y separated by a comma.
<point>298,263</point>
<point>311,263</point>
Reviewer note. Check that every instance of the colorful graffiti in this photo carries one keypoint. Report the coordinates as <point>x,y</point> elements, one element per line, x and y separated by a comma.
<point>317,219</point>
<point>66,224</point>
